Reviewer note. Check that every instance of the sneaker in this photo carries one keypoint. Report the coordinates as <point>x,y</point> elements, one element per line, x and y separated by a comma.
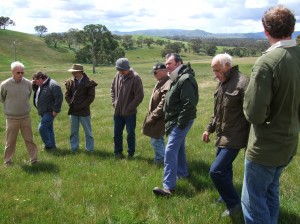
<point>163,192</point>
<point>237,209</point>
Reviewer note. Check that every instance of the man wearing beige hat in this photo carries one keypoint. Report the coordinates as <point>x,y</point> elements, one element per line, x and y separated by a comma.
<point>80,93</point>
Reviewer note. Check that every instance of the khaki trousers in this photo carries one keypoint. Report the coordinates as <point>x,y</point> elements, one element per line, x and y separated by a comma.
<point>12,130</point>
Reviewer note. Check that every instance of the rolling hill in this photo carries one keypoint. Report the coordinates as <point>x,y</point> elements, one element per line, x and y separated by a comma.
<point>195,33</point>
<point>31,50</point>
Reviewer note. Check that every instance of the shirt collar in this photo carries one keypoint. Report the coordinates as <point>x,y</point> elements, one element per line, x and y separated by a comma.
<point>283,44</point>
<point>173,75</point>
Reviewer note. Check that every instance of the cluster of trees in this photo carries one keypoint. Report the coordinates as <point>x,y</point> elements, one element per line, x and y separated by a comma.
<point>6,21</point>
<point>94,44</point>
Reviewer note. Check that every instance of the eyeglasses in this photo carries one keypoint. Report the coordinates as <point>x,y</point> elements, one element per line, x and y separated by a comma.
<point>20,73</point>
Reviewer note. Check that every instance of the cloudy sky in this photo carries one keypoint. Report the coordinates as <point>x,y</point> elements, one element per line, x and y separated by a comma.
<point>215,16</point>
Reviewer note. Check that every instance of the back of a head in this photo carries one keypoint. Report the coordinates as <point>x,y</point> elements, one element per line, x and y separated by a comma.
<point>279,22</point>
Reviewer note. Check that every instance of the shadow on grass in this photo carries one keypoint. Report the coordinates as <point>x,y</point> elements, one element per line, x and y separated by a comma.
<point>288,218</point>
<point>199,178</point>
<point>41,167</point>
<point>199,175</point>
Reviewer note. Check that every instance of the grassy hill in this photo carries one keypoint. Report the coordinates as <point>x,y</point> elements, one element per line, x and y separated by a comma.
<point>31,50</point>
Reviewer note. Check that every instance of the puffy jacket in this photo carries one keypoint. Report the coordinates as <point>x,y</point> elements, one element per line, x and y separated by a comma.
<point>50,97</point>
<point>181,100</point>
<point>80,97</point>
<point>228,119</point>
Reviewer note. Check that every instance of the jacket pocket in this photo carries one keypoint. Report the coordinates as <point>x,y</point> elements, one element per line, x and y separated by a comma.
<point>232,99</point>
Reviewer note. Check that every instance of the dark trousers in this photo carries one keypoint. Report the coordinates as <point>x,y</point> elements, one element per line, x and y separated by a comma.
<point>119,124</point>
<point>221,174</point>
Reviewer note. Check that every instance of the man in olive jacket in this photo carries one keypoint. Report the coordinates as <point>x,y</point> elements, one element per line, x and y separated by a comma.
<point>272,106</point>
<point>80,93</point>
<point>231,127</point>
<point>180,111</point>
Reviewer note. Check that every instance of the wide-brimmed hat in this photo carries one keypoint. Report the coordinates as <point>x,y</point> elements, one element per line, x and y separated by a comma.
<point>76,68</point>
<point>157,66</point>
<point>122,64</point>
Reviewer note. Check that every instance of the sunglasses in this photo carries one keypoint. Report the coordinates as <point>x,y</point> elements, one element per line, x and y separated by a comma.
<point>20,73</point>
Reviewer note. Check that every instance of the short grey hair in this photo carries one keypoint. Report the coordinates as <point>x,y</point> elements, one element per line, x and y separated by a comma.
<point>16,64</point>
<point>223,59</point>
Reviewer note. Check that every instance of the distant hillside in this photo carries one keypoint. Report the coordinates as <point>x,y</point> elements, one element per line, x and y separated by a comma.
<point>31,50</point>
<point>195,33</point>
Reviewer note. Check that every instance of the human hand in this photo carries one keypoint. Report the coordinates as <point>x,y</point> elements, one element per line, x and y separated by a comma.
<point>205,136</point>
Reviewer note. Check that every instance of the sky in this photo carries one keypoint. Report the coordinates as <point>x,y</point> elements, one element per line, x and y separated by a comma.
<point>214,16</point>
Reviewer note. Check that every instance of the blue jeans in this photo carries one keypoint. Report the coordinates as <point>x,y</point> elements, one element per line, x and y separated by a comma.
<point>46,130</point>
<point>221,174</point>
<point>119,124</point>
<point>260,194</point>
<point>158,144</point>
<point>74,137</point>
<point>175,164</point>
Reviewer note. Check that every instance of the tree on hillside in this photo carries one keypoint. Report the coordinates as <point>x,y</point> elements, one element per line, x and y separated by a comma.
<point>6,21</point>
<point>127,42</point>
<point>196,45</point>
<point>149,41</point>
<point>41,29</point>
<point>70,37</point>
<point>160,42</point>
<point>298,40</point>
<point>98,40</point>
<point>140,41</point>
<point>53,39</point>
<point>172,48</point>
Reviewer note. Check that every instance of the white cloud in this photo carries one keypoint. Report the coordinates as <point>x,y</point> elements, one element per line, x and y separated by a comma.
<point>216,16</point>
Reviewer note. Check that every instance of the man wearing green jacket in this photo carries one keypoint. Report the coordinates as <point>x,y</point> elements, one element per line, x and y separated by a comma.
<point>272,106</point>
<point>180,111</point>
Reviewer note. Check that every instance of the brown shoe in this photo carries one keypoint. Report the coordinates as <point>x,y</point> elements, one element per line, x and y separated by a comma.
<point>163,192</point>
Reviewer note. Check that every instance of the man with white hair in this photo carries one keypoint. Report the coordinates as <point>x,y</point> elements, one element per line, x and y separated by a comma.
<point>231,127</point>
<point>15,96</point>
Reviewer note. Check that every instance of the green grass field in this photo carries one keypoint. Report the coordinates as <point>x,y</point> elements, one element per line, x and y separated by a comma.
<point>96,188</point>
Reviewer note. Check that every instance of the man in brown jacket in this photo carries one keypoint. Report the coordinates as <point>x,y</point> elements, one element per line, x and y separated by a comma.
<point>126,94</point>
<point>154,125</point>
<point>231,127</point>
<point>80,93</point>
